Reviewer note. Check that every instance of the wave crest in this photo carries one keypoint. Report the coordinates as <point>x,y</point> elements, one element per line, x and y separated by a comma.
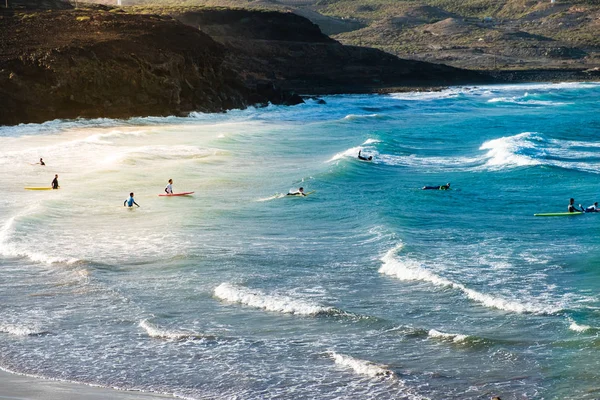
<point>362,367</point>
<point>276,303</point>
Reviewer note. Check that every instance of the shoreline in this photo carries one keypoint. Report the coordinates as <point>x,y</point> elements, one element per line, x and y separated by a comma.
<point>15,386</point>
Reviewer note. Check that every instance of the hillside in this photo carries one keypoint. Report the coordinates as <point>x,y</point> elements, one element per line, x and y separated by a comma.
<point>474,34</point>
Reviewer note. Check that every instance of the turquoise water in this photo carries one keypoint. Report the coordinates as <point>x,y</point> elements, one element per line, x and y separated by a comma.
<point>367,288</point>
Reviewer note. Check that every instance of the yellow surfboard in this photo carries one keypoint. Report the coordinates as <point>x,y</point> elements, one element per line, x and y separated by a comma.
<point>38,188</point>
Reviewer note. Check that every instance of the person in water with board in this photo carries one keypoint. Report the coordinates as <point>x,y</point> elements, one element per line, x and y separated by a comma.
<point>571,207</point>
<point>361,157</point>
<point>299,192</point>
<point>592,208</point>
<point>169,188</point>
<point>442,187</point>
<point>130,201</point>
<point>42,163</point>
<point>55,184</point>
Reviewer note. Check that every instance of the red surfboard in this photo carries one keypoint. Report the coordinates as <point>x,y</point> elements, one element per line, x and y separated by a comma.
<point>176,194</point>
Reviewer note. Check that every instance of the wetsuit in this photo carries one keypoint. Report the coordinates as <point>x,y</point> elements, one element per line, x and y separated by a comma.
<point>41,162</point>
<point>591,208</point>
<point>55,183</point>
<point>572,208</point>
<point>169,189</point>
<point>443,187</point>
<point>130,202</point>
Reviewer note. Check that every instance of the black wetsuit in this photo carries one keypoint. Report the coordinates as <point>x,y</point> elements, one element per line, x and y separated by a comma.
<point>443,187</point>
<point>572,208</point>
<point>55,183</point>
<point>42,163</point>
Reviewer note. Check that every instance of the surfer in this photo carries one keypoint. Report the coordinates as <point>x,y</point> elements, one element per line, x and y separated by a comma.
<point>169,188</point>
<point>571,207</point>
<point>299,192</point>
<point>592,208</point>
<point>130,201</point>
<point>42,162</point>
<point>442,187</point>
<point>55,184</point>
<point>360,157</point>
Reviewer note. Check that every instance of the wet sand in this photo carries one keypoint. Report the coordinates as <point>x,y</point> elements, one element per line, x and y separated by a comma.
<point>19,387</point>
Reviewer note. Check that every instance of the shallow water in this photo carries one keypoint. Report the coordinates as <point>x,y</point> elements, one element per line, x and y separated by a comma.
<point>367,288</point>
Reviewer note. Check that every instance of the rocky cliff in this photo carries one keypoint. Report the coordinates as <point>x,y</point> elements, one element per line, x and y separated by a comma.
<point>97,64</point>
<point>290,51</point>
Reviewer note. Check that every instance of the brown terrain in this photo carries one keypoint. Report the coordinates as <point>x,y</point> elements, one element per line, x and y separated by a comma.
<point>98,61</point>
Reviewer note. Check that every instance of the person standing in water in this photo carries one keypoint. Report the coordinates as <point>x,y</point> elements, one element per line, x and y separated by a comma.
<point>55,184</point>
<point>571,207</point>
<point>169,188</point>
<point>130,201</point>
<point>299,192</point>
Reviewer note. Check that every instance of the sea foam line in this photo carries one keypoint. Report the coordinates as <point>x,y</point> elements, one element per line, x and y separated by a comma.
<point>362,367</point>
<point>156,332</point>
<point>455,337</point>
<point>21,330</point>
<point>276,303</point>
<point>410,270</point>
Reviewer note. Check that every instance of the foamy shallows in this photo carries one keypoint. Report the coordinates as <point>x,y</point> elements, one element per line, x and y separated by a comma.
<point>448,292</point>
<point>270,302</point>
<point>362,367</point>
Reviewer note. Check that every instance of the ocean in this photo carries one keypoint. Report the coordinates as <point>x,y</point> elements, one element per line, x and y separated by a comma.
<point>367,288</point>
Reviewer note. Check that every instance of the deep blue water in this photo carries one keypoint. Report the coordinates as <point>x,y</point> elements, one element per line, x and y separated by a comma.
<point>367,288</point>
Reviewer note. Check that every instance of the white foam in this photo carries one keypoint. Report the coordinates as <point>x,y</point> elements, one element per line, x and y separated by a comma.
<point>504,151</point>
<point>574,326</point>
<point>156,332</point>
<point>275,196</point>
<point>362,367</point>
<point>354,117</point>
<point>411,270</point>
<point>522,101</point>
<point>276,303</point>
<point>20,330</point>
<point>455,337</point>
<point>371,141</point>
<point>351,152</point>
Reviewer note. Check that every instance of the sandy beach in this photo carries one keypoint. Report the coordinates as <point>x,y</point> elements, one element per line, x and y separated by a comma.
<point>13,386</point>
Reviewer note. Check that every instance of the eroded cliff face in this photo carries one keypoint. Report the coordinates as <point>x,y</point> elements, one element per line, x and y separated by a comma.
<point>96,63</point>
<point>291,51</point>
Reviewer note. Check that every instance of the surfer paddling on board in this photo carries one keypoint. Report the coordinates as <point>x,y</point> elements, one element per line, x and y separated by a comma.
<point>130,201</point>
<point>592,208</point>
<point>442,187</point>
<point>299,192</point>
<point>361,157</point>
<point>169,188</point>
<point>54,183</point>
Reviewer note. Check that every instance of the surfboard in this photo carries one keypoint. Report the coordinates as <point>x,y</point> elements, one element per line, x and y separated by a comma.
<point>558,214</point>
<point>176,194</point>
<point>38,188</point>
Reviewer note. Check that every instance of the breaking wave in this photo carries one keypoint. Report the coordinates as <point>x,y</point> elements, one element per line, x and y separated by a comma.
<point>454,337</point>
<point>410,270</point>
<point>275,303</point>
<point>362,367</point>
<point>156,332</point>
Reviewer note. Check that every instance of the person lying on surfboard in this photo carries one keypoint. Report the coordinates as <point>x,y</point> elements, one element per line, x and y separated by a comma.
<point>299,192</point>
<point>442,187</point>
<point>169,188</point>
<point>363,157</point>
<point>592,208</point>
<point>130,201</point>
<point>54,183</point>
